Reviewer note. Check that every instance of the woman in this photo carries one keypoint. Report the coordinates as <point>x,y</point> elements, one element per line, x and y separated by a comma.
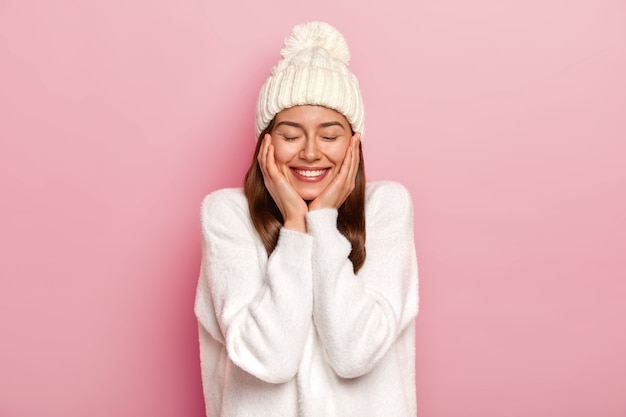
<point>300,314</point>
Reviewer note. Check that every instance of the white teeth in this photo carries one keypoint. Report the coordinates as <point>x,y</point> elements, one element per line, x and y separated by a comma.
<point>310,173</point>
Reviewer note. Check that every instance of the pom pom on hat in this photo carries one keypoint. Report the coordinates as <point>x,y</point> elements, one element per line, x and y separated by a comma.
<point>313,71</point>
<point>316,35</point>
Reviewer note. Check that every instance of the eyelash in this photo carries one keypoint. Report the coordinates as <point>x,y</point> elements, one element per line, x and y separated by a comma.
<point>292,138</point>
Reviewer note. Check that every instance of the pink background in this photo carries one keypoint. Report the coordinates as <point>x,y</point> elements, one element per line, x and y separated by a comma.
<point>505,119</point>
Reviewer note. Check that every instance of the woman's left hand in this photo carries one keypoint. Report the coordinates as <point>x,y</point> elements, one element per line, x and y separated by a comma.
<point>343,184</point>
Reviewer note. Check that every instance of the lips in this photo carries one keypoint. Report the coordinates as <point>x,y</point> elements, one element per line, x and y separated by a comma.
<point>309,174</point>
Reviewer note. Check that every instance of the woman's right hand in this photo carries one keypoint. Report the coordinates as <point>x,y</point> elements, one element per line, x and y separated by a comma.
<point>292,207</point>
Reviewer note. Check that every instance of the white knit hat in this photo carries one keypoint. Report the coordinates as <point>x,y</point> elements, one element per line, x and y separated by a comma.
<point>314,70</point>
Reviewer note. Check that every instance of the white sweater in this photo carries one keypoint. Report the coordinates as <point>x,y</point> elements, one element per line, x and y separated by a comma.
<point>299,334</point>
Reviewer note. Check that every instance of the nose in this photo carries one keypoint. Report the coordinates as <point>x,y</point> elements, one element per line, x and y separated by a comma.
<point>310,149</point>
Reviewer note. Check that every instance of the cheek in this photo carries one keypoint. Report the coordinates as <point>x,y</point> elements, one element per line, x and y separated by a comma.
<point>337,152</point>
<point>282,152</point>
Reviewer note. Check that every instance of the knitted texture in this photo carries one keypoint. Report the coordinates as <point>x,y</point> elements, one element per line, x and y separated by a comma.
<point>313,71</point>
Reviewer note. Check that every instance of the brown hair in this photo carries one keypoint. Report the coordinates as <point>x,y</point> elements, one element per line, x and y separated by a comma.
<point>267,219</point>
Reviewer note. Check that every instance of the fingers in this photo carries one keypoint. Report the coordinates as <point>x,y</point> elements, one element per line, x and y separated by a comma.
<point>266,159</point>
<point>344,182</point>
<point>355,157</point>
<point>350,165</point>
<point>262,156</point>
<point>291,205</point>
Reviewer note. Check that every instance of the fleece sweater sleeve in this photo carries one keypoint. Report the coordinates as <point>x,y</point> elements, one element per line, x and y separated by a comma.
<point>260,312</point>
<point>359,317</point>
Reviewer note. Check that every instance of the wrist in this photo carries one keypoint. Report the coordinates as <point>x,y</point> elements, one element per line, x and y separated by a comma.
<point>317,205</point>
<point>296,224</point>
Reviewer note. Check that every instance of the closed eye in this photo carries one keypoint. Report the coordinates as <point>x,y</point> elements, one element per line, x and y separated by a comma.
<point>330,137</point>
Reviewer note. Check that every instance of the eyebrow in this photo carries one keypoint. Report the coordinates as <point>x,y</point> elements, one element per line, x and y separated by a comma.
<point>298,125</point>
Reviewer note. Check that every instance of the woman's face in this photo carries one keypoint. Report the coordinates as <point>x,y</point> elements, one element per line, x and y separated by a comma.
<point>310,143</point>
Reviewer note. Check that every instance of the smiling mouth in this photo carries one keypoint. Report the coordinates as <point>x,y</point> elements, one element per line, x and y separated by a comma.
<point>310,173</point>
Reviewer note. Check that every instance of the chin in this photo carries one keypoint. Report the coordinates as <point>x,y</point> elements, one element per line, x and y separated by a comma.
<point>308,196</point>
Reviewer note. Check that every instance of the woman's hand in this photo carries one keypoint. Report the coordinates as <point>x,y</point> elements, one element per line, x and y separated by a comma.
<point>343,184</point>
<point>292,207</point>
